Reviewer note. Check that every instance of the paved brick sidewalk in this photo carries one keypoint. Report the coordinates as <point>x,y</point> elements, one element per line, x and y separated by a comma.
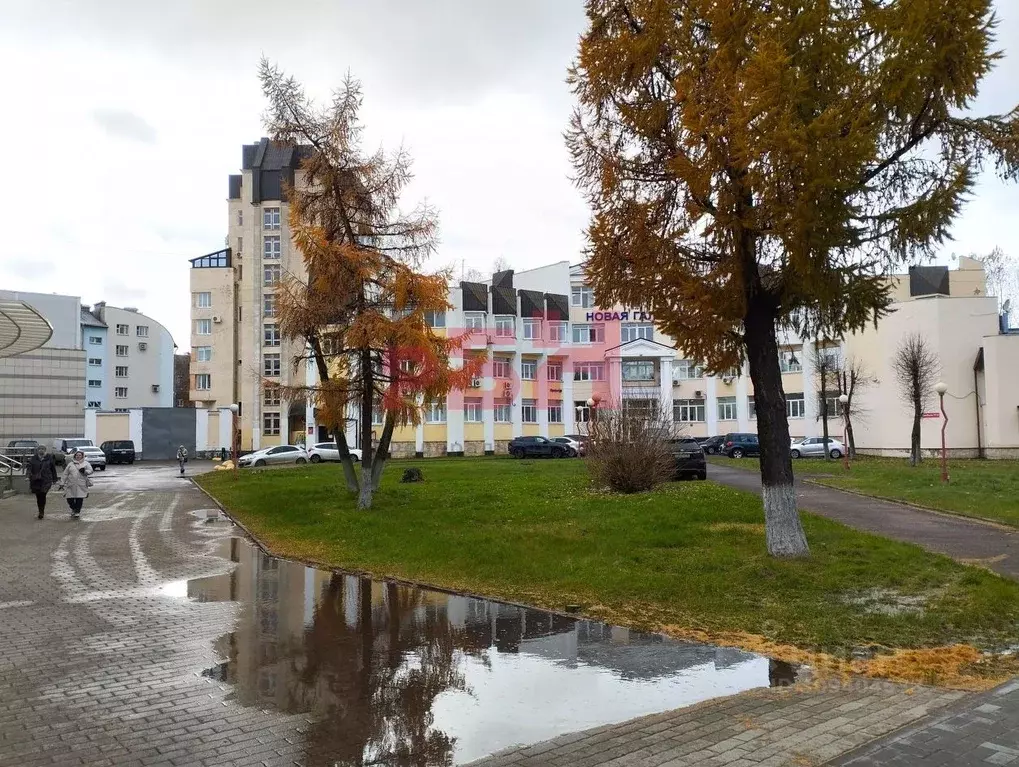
<point>945,534</point>
<point>786,726</point>
<point>982,730</point>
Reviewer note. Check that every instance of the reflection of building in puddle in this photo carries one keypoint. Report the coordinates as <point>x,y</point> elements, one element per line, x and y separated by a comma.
<point>366,661</point>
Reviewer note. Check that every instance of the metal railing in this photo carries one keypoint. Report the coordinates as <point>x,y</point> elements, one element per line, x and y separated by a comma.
<point>9,464</point>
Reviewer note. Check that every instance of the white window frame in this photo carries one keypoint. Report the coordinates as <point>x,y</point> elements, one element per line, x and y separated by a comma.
<point>637,370</point>
<point>122,350</point>
<point>752,407</point>
<point>272,365</point>
<point>582,296</point>
<point>95,362</point>
<point>555,411</point>
<point>435,319</point>
<point>435,412</point>
<point>271,424</point>
<point>529,410</point>
<point>505,326</point>
<point>203,299</point>
<point>203,378</point>
<point>784,355</point>
<point>117,371</point>
<point>203,327</point>
<point>474,409</point>
<point>271,275</point>
<point>589,371</point>
<point>123,330</point>
<point>528,370</point>
<point>503,411</point>
<point>271,396</point>
<point>588,333</point>
<point>632,331</point>
<point>268,304</point>
<point>203,354</point>
<point>95,340</point>
<point>532,330</point>
<point>727,409</point>
<point>142,331</point>
<point>271,219</point>
<point>689,411</point>
<point>795,405</point>
<point>94,383</point>
<point>271,335</point>
<point>554,371</point>
<point>474,322</point>
<point>687,370</point>
<point>558,331</point>
<point>501,367</point>
<point>120,392</point>
<point>272,247</point>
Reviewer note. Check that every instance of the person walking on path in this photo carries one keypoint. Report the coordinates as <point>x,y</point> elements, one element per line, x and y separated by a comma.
<point>182,458</point>
<point>75,482</point>
<point>42,475</point>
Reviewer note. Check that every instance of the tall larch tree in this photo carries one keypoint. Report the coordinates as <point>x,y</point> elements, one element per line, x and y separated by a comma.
<point>759,164</point>
<point>360,308</point>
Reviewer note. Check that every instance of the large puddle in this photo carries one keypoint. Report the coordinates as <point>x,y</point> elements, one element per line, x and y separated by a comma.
<point>389,674</point>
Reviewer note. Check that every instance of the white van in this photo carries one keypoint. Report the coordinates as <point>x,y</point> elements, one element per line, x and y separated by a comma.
<point>64,446</point>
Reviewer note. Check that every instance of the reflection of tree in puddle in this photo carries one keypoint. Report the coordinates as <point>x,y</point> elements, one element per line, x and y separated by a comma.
<point>366,670</point>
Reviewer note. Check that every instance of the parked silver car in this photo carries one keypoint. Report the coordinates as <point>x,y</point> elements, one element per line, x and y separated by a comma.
<point>813,447</point>
<point>327,451</point>
<point>274,455</point>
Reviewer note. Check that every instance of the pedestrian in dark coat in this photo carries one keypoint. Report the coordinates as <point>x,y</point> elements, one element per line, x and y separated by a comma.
<point>42,474</point>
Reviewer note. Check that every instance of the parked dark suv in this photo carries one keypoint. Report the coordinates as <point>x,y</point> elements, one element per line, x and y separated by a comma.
<point>118,451</point>
<point>689,459</point>
<point>739,445</point>
<point>520,447</point>
<point>712,445</point>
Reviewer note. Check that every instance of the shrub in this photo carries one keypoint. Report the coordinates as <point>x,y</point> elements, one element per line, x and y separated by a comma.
<point>629,450</point>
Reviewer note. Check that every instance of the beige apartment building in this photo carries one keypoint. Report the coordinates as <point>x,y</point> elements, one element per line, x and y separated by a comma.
<point>548,349</point>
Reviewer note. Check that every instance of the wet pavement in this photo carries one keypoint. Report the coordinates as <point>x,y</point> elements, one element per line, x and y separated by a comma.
<point>151,632</point>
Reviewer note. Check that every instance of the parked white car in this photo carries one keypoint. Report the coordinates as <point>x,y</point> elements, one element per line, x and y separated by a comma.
<point>575,446</point>
<point>812,447</point>
<point>95,456</point>
<point>328,451</point>
<point>273,456</point>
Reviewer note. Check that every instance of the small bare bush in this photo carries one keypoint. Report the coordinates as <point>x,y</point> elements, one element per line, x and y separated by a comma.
<point>630,449</point>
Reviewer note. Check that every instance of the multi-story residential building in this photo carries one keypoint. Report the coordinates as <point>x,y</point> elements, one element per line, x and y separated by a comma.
<point>139,360</point>
<point>549,349</point>
<point>95,342</point>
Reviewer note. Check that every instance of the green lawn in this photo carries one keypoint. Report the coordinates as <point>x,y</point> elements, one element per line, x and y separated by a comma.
<point>690,555</point>
<point>983,489</point>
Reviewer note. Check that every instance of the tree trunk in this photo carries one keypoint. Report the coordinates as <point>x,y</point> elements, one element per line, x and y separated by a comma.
<point>851,446</point>
<point>782,521</point>
<point>824,419</point>
<point>914,441</point>
<point>346,461</point>
<point>382,453</point>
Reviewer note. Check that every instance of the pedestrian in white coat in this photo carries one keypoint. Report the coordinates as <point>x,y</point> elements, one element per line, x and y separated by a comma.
<point>75,482</point>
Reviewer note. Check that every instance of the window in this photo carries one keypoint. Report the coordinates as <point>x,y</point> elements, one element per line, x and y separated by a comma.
<point>203,327</point>
<point>270,275</point>
<point>271,335</point>
<point>240,247</point>
<point>532,330</point>
<point>795,407</point>
<point>505,327</point>
<point>203,300</point>
<point>582,296</point>
<point>271,218</point>
<point>95,340</point>
<point>215,260</point>
<point>436,412</point>
<point>120,392</point>
<point>528,370</point>
<point>203,354</point>
<point>120,371</point>
<point>94,362</point>
<point>240,218</point>
<point>435,319</point>
<point>588,334</point>
<point>530,411</point>
<point>203,381</point>
<point>727,409</point>
<point>789,361</point>
<point>834,406</point>
<point>557,331</point>
<point>123,330</point>
<point>555,411</point>
<point>142,331</point>
<point>94,403</point>
<point>638,370</point>
<point>589,371</point>
<point>685,370</point>
<point>474,322</point>
<point>271,396</point>
<point>555,371</point>
<point>269,305</point>
<point>271,365</point>
<point>582,410</point>
<point>121,351</point>
<point>271,247</point>
<point>503,412</point>
<point>472,411</point>
<point>271,424</point>
<point>500,368</point>
<point>94,384</point>
<point>631,331</point>
<point>688,411</point>
<point>378,413</point>
<point>752,407</point>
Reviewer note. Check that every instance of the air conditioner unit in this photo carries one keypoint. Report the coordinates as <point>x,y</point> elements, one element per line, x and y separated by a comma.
<point>698,394</point>
<point>155,388</point>
<point>217,319</point>
<point>475,383</point>
<point>727,380</point>
<point>142,346</point>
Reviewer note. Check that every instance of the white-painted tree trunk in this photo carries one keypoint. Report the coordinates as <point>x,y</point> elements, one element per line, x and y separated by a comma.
<point>782,526</point>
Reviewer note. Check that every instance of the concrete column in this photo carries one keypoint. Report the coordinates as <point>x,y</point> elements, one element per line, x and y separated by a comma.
<point>615,382</point>
<point>711,404</point>
<point>665,365</point>
<point>419,441</point>
<point>91,425</point>
<point>134,420</point>
<point>284,423</point>
<point>352,430</point>
<point>225,426</point>
<point>311,380</point>
<point>810,426</point>
<point>742,406</point>
<point>569,414</point>
<point>488,403</point>
<point>518,402</point>
<point>542,385</point>
<point>455,414</point>
<point>201,430</point>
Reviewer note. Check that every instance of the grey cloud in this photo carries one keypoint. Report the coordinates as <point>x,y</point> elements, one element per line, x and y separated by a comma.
<point>119,292</point>
<point>122,123</point>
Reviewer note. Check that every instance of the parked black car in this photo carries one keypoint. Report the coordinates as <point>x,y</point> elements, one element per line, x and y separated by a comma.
<point>118,451</point>
<point>521,447</point>
<point>712,445</point>
<point>689,459</point>
<point>739,445</point>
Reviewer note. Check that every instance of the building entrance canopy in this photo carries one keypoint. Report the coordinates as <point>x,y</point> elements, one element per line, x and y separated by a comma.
<point>22,328</point>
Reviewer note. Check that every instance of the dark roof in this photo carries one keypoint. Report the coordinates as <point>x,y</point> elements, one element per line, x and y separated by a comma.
<point>269,155</point>
<point>90,320</point>
<point>235,187</point>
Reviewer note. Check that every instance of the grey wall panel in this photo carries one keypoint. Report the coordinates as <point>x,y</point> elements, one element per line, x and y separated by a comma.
<point>164,429</point>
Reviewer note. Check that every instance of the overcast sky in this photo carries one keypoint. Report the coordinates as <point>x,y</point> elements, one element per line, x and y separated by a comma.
<point>123,118</point>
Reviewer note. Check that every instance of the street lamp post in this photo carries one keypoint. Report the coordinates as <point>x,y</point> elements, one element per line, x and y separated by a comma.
<point>234,408</point>
<point>941,388</point>
<point>844,400</point>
